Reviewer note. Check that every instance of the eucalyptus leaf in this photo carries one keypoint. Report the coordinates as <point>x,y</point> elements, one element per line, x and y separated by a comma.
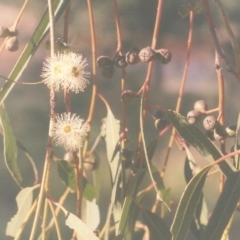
<point>188,204</point>
<point>199,141</point>
<point>67,175</point>
<point>24,203</point>
<point>10,147</point>
<point>158,229</point>
<point>128,205</point>
<point>83,231</point>
<point>40,32</point>
<point>224,209</point>
<point>201,214</point>
<point>112,138</point>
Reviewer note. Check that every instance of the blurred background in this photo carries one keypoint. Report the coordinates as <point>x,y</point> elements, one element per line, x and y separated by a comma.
<point>28,106</point>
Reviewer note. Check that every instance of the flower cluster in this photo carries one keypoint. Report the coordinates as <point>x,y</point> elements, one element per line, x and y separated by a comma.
<point>69,131</point>
<point>66,71</point>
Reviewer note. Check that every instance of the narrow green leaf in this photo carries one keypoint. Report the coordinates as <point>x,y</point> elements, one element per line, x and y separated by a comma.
<point>112,137</point>
<point>10,147</point>
<point>42,29</point>
<point>151,149</point>
<point>224,208</point>
<point>198,140</point>
<point>24,203</point>
<point>201,214</point>
<point>158,229</point>
<point>188,204</point>
<point>128,204</point>
<point>67,175</point>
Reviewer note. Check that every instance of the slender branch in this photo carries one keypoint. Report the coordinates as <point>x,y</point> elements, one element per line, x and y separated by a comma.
<point>123,86</point>
<point>181,90</point>
<point>145,87</point>
<point>67,99</point>
<point>19,15</point>
<point>13,28</point>
<point>94,71</point>
<point>44,186</point>
<point>55,220</point>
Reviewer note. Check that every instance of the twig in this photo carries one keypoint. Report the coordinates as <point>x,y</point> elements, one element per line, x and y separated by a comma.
<point>94,71</point>
<point>48,157</point>
<point>181,91</point>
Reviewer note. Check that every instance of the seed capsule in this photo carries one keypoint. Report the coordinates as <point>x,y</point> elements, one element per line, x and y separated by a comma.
<point>163,55</point>
<point>193,116</point>
<point>108,71</point>
<point>104,61</point>
<point>219,133</point>
<point>160,124</point>
<point>132,56</point>
<point>200,106</point>
<point>12,44</point>
<point>159,114</point>
<point>210,122</point>
<point>120,62</point>
<point>231,130</point>
<point>147,54</point>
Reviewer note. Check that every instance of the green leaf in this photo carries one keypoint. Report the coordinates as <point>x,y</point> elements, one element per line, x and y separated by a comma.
<point>198,140</point>
<point>67,175</point>
<point>188,204</point>
<point>10,147</point>
<point>128,204</point>
<point>42,29</point>
<point>151,149</point>
<point>224,209</point>
<point>158,229</point>
<point>24,203</point>
<point>201,214</point>
<point>112,137</point>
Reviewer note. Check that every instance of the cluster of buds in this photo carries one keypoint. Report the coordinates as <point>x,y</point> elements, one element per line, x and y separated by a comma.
<point>214,130</point>
<point>12,43</point>
<point>132,57</point>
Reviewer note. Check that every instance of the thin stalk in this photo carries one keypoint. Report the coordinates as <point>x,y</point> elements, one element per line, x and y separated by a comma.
<point>59,237</point>
<point>94,71</point>
<point>44,186</point>
<point>44,222</point>
<point>221,118</point>
<point>123,86</point>
<point>67,99</point>
<point>13,28</point>
<point>212,29</point>
<point>78,176</point>
<point>57,210</point>
<point>41,193</point>
<point>145,87</point>
<point>181,90</point>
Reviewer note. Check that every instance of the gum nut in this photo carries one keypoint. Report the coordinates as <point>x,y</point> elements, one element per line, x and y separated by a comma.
<point>200,106</point>
<point>209,122</point>
<point>104,61</point>
<point>193,116</point>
